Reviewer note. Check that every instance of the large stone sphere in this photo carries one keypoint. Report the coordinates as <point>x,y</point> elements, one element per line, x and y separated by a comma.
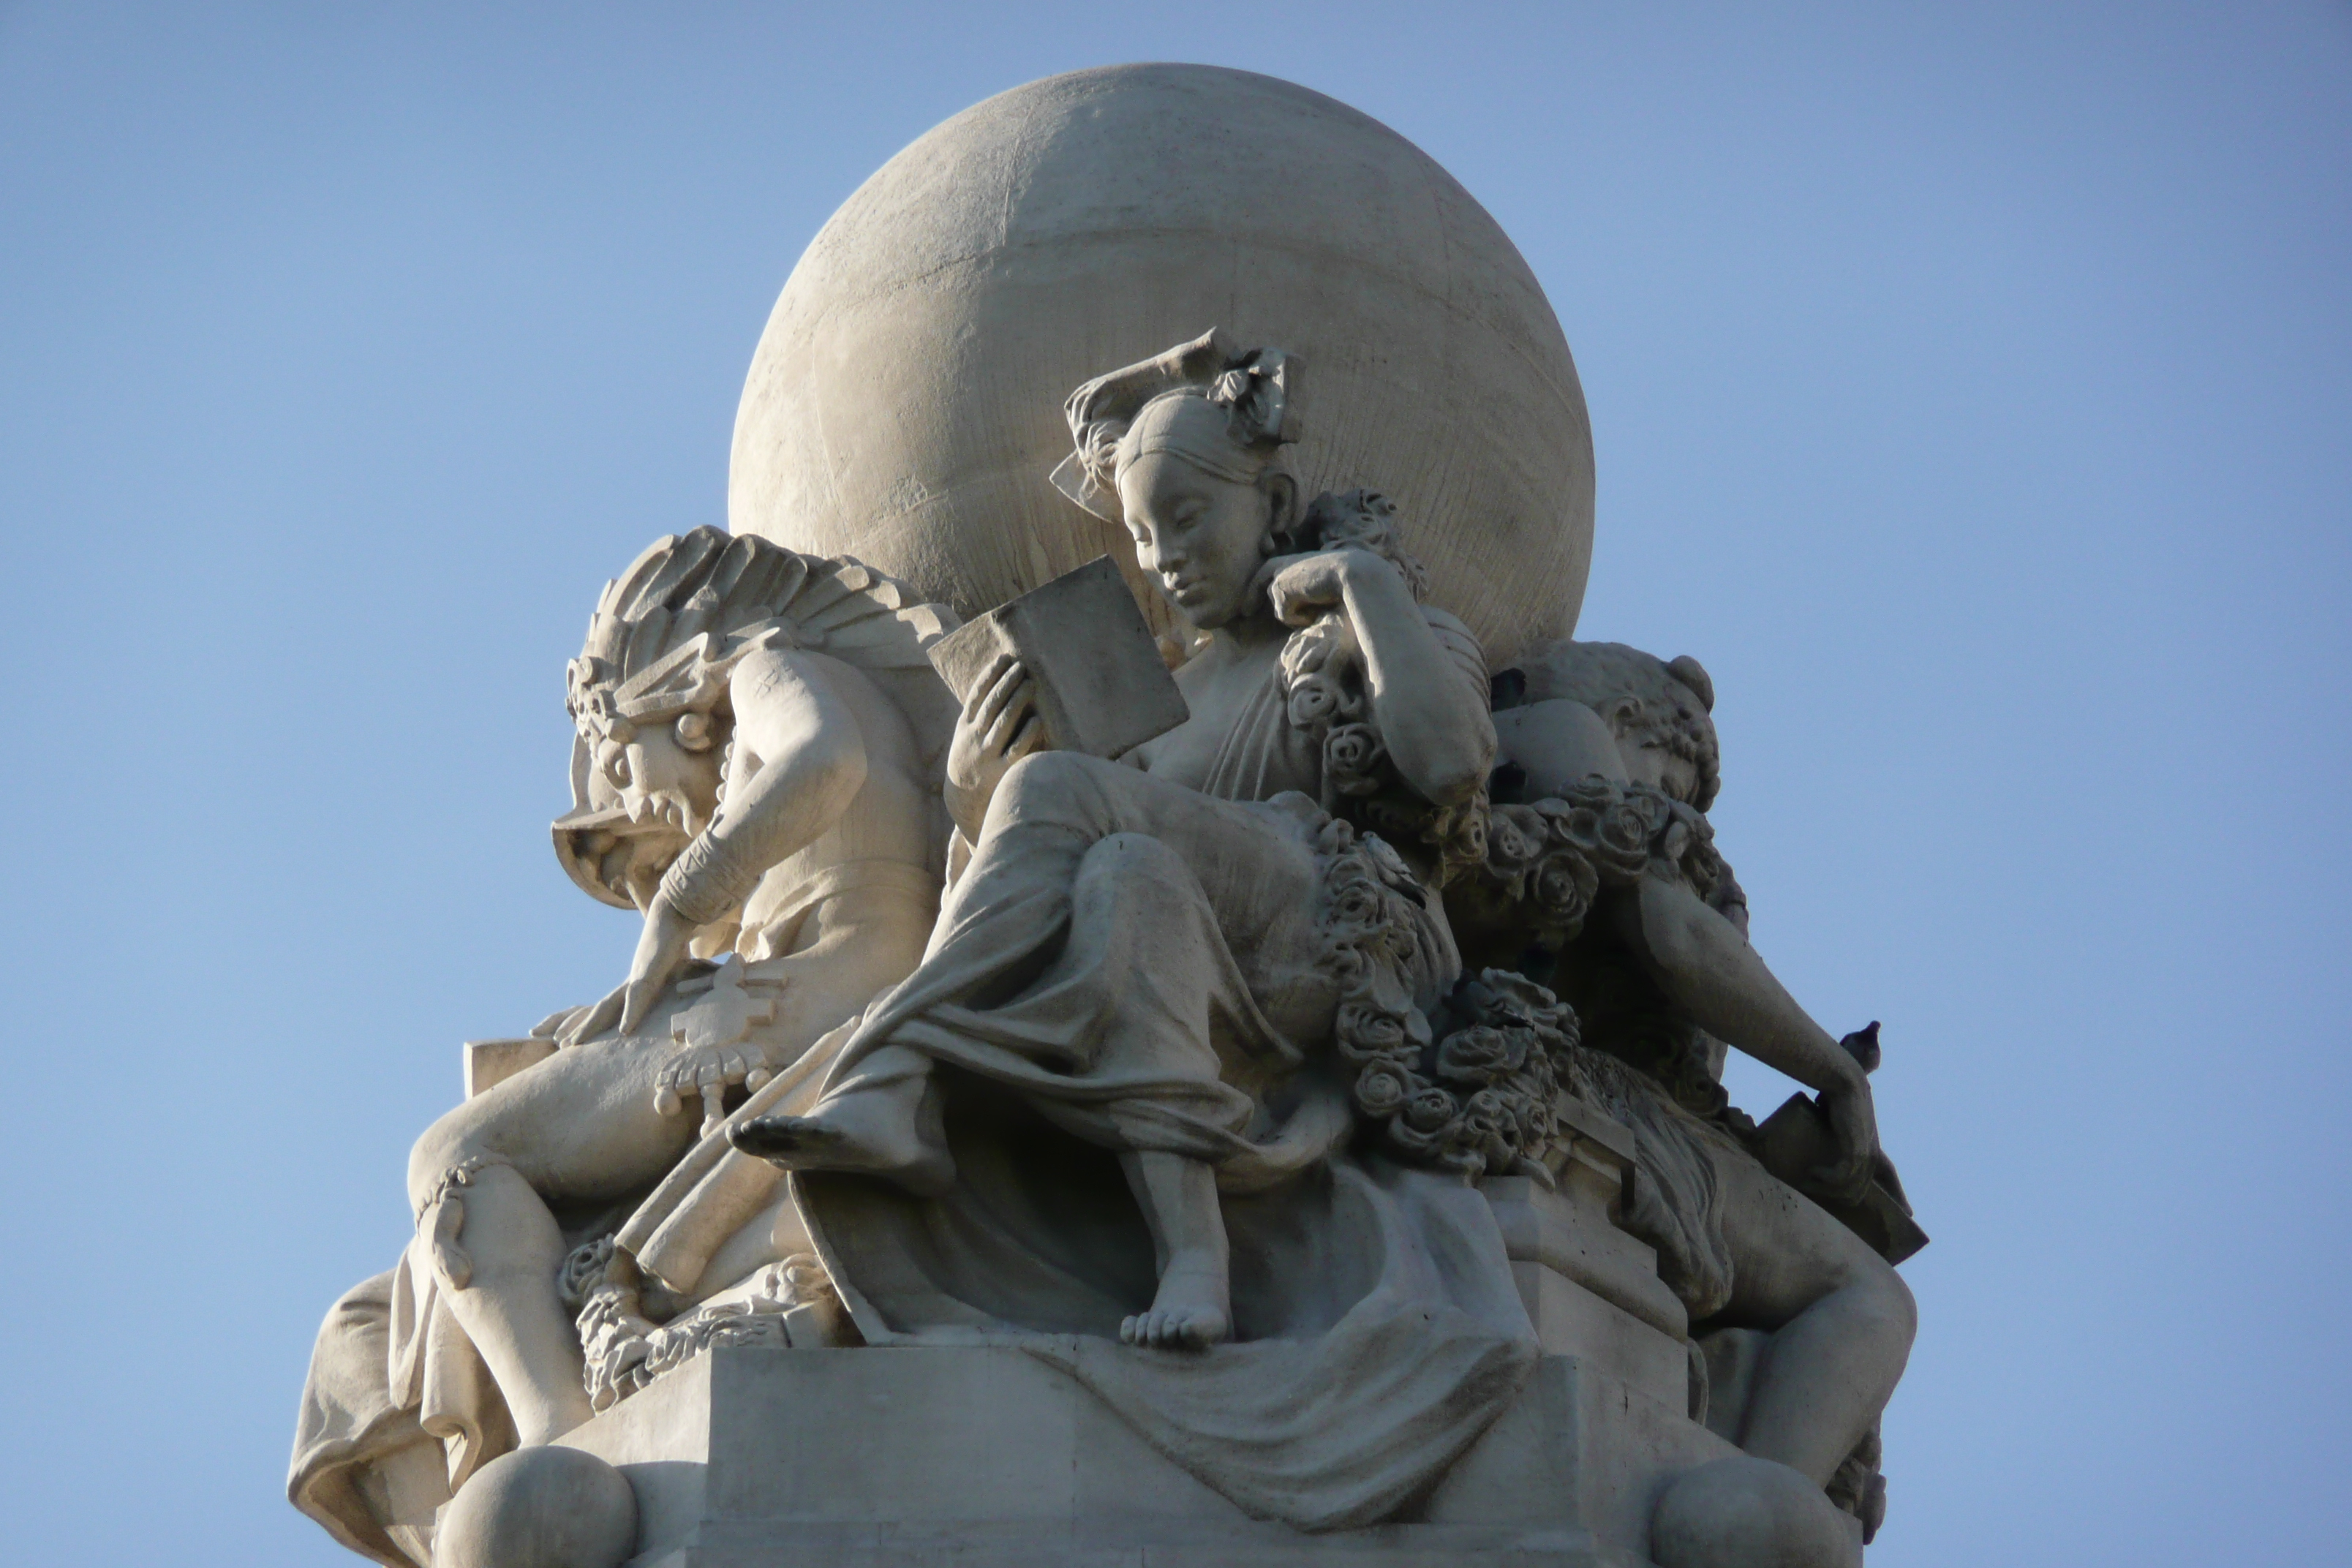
<point>905,405</point>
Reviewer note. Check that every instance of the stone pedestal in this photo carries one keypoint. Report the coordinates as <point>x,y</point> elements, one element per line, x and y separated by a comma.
<point>989,1457</point>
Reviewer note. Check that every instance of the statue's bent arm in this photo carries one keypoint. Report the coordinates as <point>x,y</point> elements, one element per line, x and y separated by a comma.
<point>1711,975</point>
<point>801,759</point>
<point>1439,737</point>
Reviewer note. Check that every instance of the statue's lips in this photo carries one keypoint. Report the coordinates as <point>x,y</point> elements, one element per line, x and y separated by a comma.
<point>614,820</point>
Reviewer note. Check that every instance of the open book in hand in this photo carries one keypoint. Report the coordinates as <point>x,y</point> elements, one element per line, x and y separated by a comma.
<point>1102,686</point>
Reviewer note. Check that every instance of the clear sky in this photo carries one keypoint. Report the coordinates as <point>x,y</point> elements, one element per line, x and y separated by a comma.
<point>1971,388</point>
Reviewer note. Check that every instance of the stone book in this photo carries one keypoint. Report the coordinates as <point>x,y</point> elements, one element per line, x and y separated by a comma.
<point>1102,686</point>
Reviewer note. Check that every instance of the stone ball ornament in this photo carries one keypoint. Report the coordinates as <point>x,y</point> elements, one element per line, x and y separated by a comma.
<point>903,404</point>
<point>540,1508</point>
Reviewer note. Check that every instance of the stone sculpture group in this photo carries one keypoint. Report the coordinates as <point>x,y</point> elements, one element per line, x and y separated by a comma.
<point>1307,1123</point>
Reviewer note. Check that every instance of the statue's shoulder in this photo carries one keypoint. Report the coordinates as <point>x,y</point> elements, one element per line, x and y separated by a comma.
<point>760,600</point>
<point>847,610</point>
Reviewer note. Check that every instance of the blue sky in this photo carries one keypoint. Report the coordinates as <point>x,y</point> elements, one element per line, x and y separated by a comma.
<point>1971,390</point>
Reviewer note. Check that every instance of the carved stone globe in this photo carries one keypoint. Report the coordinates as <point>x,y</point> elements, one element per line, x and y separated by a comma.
<point>905,403</point>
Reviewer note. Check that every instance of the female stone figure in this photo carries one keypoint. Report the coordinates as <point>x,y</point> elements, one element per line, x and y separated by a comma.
<point>1152,951</point>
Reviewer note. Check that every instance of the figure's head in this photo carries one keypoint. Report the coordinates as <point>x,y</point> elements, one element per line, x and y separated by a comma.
<point>648,697</point>
<point>1184,450</point>
<point>659,775</point>
<point>1658,709</point>
<point>1206,510</point>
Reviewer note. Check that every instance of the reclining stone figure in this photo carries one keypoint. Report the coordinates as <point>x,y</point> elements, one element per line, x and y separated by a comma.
<point>1602,882</point>
<point>1152,964</point>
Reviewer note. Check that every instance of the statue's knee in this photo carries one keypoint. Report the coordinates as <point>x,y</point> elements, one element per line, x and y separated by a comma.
<point>1047,786</point>
<point>446,1144</point>
<point>1897,1306</point>
<point>1132,854</point>
<point>1878,1306</point>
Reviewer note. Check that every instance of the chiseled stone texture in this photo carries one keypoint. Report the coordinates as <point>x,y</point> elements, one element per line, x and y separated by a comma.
<point>903,1456</point>
<point>987,1457</point>
<point>892,411</point>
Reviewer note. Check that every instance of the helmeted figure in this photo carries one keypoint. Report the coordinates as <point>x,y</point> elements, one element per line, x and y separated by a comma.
<point>757,738</point>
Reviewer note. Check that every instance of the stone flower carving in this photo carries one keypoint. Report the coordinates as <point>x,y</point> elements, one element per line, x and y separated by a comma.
<point>1383,1089</point>
<point>625,1352</point>
<point>1552,858</point>
<point>1352,755</point>
<point>1477,1100</point>
<point>1481,1053</point>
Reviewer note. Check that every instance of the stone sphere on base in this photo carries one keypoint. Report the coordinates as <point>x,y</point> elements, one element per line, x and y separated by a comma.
<point>540,1508</point>
<point>1747,1512</point>
<point>905,403</point>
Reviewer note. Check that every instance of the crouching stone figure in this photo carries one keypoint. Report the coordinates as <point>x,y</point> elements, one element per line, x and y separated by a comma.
<point>758,735</point>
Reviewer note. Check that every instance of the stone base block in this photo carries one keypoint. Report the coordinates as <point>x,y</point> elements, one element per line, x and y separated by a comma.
<point>986,1458</point>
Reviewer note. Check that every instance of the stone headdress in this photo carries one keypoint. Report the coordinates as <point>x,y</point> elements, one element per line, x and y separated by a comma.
<point>1223,409</point>
<point>668,632</point>
<point>1676,697</point>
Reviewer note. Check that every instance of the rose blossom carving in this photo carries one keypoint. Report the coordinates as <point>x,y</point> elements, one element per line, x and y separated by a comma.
<point>1314,700</point>
<point>1481,1055</point>
<point>1382,1090</point>
<point>1351,753</point>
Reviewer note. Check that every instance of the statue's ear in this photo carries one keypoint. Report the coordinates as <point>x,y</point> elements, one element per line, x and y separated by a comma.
<point>1281,493</point>
<point>1623,715</point>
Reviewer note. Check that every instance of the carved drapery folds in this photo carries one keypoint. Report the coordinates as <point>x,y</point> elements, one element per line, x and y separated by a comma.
<point>1185,1091</point>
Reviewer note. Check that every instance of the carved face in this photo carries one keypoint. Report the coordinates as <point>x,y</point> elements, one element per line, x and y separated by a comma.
<point>664,775</point>
<point>1649,758</point>
<point>1203,537</point>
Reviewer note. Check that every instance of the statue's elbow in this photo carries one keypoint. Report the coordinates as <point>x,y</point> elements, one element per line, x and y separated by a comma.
<point>1453,784</point>
<point>1672,930</point>
<point>842,771</point>
<point>827,766</point>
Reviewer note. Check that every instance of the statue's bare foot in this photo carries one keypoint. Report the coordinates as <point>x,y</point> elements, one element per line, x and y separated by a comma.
<point>1192,1311</point>
<point>868,1145</point>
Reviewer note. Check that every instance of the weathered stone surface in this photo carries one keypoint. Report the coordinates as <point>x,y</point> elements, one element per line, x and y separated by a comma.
<point>781,1459</point>
<point>893,410</point>
<point>1298,1140</point>
<point>540,1508</point>
<point>1716,1515</point>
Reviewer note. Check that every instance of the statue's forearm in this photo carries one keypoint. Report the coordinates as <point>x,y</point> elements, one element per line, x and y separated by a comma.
<point>1437,731</point>
<point>1714,978</point>
<point>781,809</point>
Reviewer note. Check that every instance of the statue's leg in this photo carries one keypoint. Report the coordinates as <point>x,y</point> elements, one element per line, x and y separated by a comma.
<point>1842,1318</point>
<point>1003,923</point>
<point>580,1123</point>
<point>1193,1307</point>
<point>1054,808</point>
